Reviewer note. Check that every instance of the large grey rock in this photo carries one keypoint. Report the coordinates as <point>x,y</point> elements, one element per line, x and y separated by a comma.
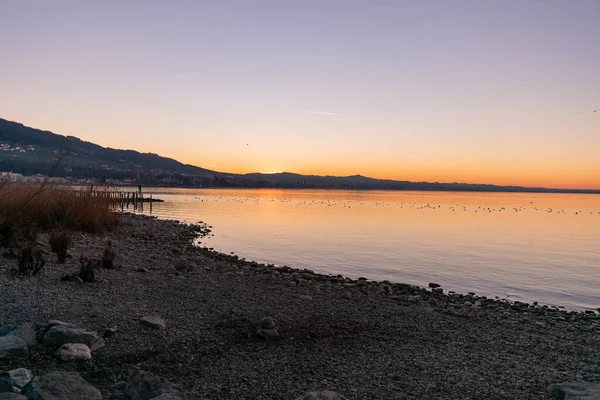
<point>144,385</point>
<point>61,386</point>
<point>20,377</point>
<point>6,382</point>
<point>154,322</point>
<point>12,346</point>
<point>324,395</point>
<point>25,332</point>
<point>575,391</point>
<point>185,265</point>
<point>12,396</point>
<point>74,351</point>
<point>68,333</point>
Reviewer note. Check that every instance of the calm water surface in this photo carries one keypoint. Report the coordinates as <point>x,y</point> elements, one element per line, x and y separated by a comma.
<point>527,247</point>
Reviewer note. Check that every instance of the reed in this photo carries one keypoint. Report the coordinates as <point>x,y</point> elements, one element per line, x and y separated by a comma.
<point>27,208</point>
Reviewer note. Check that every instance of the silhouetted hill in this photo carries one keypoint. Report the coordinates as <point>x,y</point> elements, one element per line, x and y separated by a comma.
<point>31,151</point>
<point>286,179</point>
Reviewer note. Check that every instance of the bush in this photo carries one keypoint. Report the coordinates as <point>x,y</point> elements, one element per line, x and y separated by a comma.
<point>59,243</point>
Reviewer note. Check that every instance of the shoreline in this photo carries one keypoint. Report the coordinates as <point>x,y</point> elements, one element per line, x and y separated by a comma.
<point>223,256</point>
<point>363,339</point>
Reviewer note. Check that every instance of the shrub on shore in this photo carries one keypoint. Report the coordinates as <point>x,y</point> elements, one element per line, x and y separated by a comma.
<point>31,261</point>
<point>108,258</point>
<point>27,208</point>
<point>59,243</point>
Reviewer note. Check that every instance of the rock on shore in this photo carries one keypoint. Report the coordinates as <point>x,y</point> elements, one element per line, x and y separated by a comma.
<point>64,333</point>
<point>61,386</point>
<point>12,346</point>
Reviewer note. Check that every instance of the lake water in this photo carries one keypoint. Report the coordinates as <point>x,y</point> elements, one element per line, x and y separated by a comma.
<point>520,246</point>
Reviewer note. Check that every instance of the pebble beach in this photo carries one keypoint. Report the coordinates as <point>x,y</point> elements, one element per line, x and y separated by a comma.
<point>235,329</point>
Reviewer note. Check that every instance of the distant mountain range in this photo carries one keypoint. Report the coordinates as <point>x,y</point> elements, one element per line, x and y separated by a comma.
<point>30,151</point>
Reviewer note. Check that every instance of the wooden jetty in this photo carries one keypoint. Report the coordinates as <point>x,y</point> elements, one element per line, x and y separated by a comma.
<point>122,199</point>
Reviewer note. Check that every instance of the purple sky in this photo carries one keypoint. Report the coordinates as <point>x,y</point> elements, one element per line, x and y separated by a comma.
<point>479,91</point>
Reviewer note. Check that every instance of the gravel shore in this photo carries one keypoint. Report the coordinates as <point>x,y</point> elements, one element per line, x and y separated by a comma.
<point>362,339</point>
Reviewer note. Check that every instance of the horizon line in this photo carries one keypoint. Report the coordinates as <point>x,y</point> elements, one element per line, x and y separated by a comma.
<point>71,137</point>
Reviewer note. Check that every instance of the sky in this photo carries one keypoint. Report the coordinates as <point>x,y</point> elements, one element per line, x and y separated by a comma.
<point>479,91</point>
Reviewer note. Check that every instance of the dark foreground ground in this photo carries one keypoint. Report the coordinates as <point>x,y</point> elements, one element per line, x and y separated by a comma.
<point>365,341</point>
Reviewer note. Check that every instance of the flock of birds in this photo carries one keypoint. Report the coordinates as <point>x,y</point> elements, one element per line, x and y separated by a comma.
<point>378,204</point>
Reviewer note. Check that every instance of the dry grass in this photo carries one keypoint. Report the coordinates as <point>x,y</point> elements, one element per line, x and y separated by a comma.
<point>26,209</point>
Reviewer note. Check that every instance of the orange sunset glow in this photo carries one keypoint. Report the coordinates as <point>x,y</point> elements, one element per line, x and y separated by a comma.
<point>454,103</point>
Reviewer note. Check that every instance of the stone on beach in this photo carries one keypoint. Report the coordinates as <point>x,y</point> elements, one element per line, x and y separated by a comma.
<point>12,346</point>
<point>6,382</point>
<point>575,391</point>
<point>154,322</point>
<point>56,322</point>
<point>12,396</point>
<point>266,329</point>
<point>26,332</point>
<point>61,386</point>
<point>61,334</point>
<point>267,333</point>
<point>74,351</point>
<point>415,298</point>
<point>185,265</point>
<point>324,395</point>
<point>267,323</point>
<point>434,285</point>
<point>145,385</point>
<point>20,377</point>
<point>109,332</point>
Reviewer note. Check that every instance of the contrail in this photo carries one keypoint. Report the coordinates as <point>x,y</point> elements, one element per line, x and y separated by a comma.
<point>328,113</point>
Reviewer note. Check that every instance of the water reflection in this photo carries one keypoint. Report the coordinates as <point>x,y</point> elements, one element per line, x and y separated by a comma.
<point>530,247</point>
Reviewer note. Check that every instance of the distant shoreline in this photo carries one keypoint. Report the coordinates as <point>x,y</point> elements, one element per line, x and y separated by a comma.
<point>35,152</point>
<point>540,191</point>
